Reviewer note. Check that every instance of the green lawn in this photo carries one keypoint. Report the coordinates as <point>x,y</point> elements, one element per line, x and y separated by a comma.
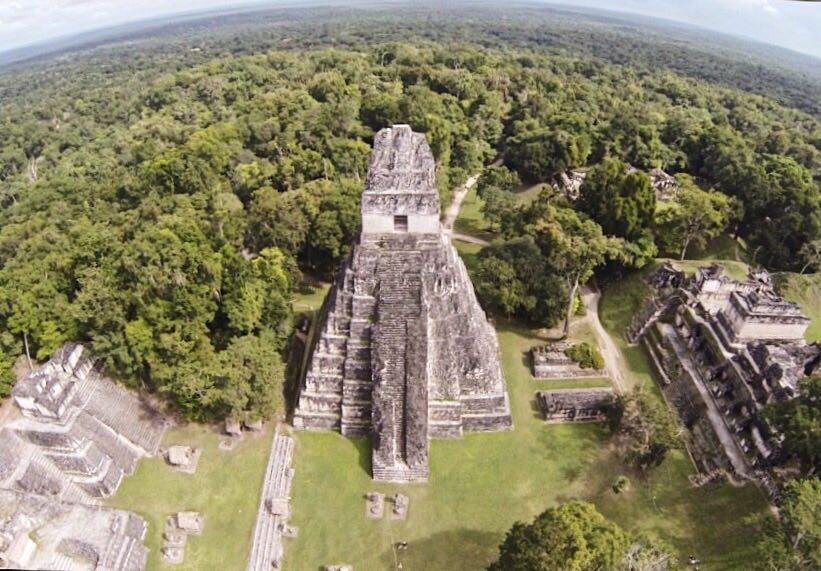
<point>225,489</point>
<point>805,290</point>
<point>482,483</point>
<point>527,193</point>
<point>471,220</point>
<point>310,296</point>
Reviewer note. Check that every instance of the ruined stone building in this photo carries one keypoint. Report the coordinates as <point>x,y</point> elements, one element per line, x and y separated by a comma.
<point>724,349</point>
<point>73,438</point>
<point>575,405</point>
<point>403,350</point>
<point>552,362</point>
<point>569,183</point>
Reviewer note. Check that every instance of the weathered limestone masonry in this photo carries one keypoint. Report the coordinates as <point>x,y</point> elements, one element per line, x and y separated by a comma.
<point>405,352</point>
<point>575,405</point>
<point>39,533</point>
<point>723,350</point>
<point>569,183</point>
<point>77,435</point>
<point>551,362</point>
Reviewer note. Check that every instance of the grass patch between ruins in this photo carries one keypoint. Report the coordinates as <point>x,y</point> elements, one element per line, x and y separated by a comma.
<point>805,290</point>
<point>225,489</point>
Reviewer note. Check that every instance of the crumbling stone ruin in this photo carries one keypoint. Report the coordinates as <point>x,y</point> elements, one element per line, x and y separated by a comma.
<point>183,458</point>
<point>74,437</point>
<point>575,405</point>
<point>275,508</point>
<point>38,532</point>
<point>79,433</point>
<point>723,350</point>
<point>569,183</point>
<point>404,351</point>
<point>551,362</point>
<point>374,505</point>
<point>401,503</point>
<point>664,185</point>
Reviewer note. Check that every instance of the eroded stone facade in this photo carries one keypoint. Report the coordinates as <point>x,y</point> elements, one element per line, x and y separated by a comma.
<point>75,436</point>
<point>723,350</point>
<point>403,351</point>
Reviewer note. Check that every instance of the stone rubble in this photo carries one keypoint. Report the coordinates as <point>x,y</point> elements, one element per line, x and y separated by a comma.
<point>374,505</point>
<point>569,183</point>
<point>551,362</point>
<point>575,405</point>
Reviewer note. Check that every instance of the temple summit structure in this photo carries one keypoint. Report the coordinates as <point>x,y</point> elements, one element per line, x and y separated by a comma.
<point>401,350</point>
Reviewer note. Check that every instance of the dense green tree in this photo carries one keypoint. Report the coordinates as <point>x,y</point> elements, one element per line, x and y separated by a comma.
<point>624,204</point>
<point>793,543</point>
<point>799,421</point>
<point>645,427</point>
<point>512,277</point>
<point>539,153</point>
<point>251,375</point>
<point>572,244</point>
<point>495,187</point>
<point>692,219</point>
<point>575,537</point>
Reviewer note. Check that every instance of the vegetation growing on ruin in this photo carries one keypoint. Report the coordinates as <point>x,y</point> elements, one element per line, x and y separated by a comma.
<point>586,355</point>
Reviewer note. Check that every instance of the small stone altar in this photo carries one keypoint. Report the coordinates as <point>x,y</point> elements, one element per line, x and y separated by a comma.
<point>175,535</point>
<point>401,503</point>
<point>183,458</point>
<point>374,505</point>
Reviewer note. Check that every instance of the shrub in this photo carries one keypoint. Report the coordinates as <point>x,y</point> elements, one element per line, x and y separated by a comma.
<point>586,355</point>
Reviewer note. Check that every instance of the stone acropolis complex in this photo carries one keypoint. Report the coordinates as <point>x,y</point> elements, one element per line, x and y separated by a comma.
<point>403,351</point>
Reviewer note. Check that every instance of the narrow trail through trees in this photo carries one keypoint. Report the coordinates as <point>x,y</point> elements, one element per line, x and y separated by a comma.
<point>452,213</point>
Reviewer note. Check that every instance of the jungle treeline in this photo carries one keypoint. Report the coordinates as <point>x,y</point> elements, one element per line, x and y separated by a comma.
<point>163,204</point>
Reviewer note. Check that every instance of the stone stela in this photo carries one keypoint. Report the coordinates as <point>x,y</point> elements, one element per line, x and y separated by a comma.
<point>403,351</point>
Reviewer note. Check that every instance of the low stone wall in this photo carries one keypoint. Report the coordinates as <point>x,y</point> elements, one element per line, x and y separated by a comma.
<point>575,405</point>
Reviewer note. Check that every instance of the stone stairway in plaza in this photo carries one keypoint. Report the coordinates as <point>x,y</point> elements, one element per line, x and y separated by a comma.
<point>266,548</point>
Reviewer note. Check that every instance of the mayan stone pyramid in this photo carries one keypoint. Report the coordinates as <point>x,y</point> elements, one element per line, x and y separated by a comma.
<point>402,351</point>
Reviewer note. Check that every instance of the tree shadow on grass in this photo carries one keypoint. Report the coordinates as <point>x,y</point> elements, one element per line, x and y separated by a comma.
<point>453,549</point>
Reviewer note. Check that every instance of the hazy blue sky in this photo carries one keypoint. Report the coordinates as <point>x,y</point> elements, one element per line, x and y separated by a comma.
<point>792,24</point>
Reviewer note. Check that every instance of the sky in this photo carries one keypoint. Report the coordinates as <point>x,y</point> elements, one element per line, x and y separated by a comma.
<point>787,23</point>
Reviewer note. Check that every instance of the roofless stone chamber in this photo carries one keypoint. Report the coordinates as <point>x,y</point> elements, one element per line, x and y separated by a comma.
<point>403,351</point>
